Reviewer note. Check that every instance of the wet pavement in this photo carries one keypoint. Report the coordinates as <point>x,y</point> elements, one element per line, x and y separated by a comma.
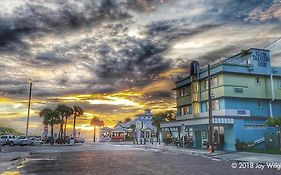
<point>108,159</point>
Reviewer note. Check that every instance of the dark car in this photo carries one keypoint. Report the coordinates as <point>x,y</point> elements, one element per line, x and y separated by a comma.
<point>79,140</point>
<point>76,139</point>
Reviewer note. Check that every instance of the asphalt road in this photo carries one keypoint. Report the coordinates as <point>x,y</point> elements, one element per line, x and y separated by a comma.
<point>107,159</point>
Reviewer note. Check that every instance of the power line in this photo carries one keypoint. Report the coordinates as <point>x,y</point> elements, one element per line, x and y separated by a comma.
<point>272,42</point>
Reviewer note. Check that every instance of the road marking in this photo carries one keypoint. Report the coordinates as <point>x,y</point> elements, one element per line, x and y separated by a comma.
<point>11,173</point>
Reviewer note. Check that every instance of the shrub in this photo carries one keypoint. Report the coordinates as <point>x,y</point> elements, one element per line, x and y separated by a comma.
<point>168,140</point>
<point>241,146</point>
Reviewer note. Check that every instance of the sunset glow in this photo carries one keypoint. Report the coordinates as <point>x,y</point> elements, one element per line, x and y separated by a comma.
<point>115,59</point>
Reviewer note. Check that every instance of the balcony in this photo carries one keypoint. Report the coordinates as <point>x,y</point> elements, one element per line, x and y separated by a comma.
<point>184,117</point>
<point>184,100</point>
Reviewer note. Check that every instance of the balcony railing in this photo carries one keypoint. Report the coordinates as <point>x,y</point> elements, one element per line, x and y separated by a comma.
<point>228,112</point>
<point>184,117</point>
<point>222,112</point>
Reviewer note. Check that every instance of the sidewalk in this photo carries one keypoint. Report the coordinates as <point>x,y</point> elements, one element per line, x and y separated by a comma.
<point>8,159</point>
<point>251,157</point>
<point>223,155</point>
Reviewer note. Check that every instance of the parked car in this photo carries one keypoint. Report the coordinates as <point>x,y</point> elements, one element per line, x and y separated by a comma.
<point>36,141</point>
<point>76,139</point>
<point>79,140</point>
<point>10,140</point>
<point>24,141</point>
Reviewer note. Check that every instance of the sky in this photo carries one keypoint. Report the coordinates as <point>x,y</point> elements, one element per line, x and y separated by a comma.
<point>115,58</point>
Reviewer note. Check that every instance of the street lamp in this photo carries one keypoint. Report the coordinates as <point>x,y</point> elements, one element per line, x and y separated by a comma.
<point>28,112</point>
<point>210,127</point>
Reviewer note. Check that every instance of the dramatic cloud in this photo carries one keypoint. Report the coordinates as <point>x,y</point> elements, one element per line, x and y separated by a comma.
<point>117,57</point>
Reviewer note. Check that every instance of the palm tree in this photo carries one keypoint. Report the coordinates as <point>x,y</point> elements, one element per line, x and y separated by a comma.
<point>77,112</point>
<point>50,117</point>
<point>96,122</point>
<point>162,117</point>
<point>64,112</point>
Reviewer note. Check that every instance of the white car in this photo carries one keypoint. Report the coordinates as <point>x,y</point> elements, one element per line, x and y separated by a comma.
<point>10,140</point>
<point>36,141</point>
<point>24,141</point>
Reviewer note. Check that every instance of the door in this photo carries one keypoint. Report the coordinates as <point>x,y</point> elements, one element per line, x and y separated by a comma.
<point>198,140</point>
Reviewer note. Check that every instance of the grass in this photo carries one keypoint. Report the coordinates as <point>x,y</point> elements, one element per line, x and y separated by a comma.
<point>266,151</point>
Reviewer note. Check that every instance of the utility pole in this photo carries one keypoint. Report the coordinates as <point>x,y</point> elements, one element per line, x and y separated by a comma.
<point>211,142</point>
<point>28,112</point>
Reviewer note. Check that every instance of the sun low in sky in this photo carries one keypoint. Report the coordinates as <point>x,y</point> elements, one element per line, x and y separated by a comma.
<point>115,58</point>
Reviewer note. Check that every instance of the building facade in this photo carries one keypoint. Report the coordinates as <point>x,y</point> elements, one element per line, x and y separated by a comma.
<point>245,91</point>
<point>140,128</point>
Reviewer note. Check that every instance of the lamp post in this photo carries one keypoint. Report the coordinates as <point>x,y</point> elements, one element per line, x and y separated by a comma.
<point>211,141</point>
<point>28,112</point>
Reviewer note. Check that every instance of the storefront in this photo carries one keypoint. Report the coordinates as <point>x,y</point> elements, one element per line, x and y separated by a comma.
<point>198,133</point>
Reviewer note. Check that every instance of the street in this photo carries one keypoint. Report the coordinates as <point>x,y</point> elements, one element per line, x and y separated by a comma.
<point>95,159</point>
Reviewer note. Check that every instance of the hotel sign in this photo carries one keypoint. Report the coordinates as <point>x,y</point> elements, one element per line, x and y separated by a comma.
<point>262,58</point>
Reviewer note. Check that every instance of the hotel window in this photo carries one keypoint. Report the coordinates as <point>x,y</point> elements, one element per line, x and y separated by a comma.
<point>178,92</point>
<point>215,105</point>
<point>185,110</point>
<point>260,104</point>
<point>258,80</point>
<point>214,82</point>
<point>185,91</point>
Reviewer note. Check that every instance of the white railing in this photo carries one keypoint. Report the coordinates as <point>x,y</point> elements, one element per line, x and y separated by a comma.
<point>228,112</point>
<point>261,140</point>
<point>184,117</point>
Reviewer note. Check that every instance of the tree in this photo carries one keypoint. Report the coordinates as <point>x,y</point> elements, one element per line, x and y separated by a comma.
<point>51,118</point>
<point>127,120</point>
<point>64,112</point>
<point>96,122</point>
<point>77,112</point>
<point>165,116</point>
<point>275,122</point>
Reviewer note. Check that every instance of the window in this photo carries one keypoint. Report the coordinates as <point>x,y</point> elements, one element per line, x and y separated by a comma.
<point>183,91</point>
<point>215,105</point>
<point>279,83</point>
<point>190,132</point>
<point>214,82</point>
<point>204,107</point>
<point>186,90</point>
<point>238,90</point>
<point>254,126</point>
<point>185,110</point>
<point>260,104</point>
<point>258,80</point>
<point>178,92</point>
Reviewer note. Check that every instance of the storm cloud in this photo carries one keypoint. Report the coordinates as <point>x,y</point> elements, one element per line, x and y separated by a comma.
<point>99,53</point>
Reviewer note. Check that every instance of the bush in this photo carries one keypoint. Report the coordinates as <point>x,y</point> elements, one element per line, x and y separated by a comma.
<point>241,146</point>
<point>168,140</point>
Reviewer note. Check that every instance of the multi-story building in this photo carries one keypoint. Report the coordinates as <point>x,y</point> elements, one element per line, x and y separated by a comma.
<point>245,91</point>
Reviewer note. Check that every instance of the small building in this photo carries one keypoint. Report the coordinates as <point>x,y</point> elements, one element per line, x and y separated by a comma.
<point>105,134</point>
<point>245,92</point>
<point>139,128</point>
<point>118,133</point>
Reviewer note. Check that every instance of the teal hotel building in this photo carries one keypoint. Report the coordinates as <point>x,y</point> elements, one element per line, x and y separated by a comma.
<point>245,92</point>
